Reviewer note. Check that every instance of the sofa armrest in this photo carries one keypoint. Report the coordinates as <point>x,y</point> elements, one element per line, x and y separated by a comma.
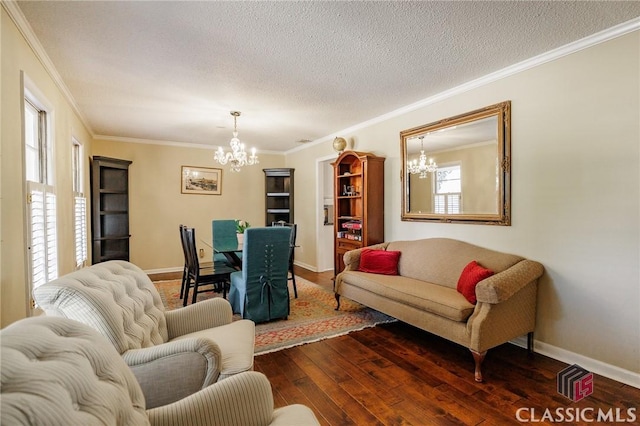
<point>198,316</point>
<point>352,257</point>
<point>243,399</point>
<point>500,287</point>
<point>174,370</point>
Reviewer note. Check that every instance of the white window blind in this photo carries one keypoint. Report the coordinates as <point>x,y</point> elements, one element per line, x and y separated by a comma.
<point>447,203</point>
<point>80,213</point>
<point>43,245</point>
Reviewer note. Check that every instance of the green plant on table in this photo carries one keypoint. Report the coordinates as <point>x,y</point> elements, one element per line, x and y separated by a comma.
<point>241,225</point>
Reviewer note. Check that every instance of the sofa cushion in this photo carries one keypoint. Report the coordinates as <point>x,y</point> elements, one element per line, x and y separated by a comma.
<point>471,275</point>
<point>117,298</point>
<point>56,371</point>
<point>440,260</point>
<point>379,261</point>
<point>437,299</point>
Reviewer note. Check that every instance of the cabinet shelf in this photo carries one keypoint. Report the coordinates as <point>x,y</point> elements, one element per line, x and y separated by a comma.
<point>122,237</point>
<point>112,191</point>
<point>278,195</point>
<point>361,174</point>
<point>109,209</point>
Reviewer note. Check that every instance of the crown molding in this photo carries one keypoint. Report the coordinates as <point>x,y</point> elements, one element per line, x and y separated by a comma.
<point>171,143</point>
<point>25,29</point>
<point>552,55</point>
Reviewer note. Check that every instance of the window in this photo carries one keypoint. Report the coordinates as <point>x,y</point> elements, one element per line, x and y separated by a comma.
<point>447,191</point>
<point>80,206</point>
<point>41,197</point>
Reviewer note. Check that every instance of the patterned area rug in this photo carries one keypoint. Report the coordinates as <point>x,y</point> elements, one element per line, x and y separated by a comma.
<point>313,316</point>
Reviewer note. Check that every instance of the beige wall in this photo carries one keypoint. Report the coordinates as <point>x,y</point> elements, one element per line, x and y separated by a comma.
<point>17,57</point>
<point>575,193</point>
<point>157,207</point>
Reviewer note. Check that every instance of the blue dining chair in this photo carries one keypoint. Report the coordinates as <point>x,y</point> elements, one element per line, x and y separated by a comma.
<point>224,235</point>
<point>260,292</point>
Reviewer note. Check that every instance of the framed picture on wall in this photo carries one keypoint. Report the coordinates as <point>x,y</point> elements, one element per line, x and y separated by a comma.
<point>201,180</point>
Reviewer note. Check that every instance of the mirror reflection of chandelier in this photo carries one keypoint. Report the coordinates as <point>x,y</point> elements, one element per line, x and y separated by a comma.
<point>421,165</point>
<point>237,157</point>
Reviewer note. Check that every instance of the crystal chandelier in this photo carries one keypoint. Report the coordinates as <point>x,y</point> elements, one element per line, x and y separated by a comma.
<point>237,157</point>
<point>422,166</point>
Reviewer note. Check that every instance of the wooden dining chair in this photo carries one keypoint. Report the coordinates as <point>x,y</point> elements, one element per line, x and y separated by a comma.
<point>215,274</point>
<point>292,248</point>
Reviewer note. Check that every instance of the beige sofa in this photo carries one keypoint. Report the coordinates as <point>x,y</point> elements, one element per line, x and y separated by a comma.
<point>424,293</point>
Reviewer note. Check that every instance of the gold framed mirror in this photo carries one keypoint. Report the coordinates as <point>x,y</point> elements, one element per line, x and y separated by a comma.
<point>459,169</point>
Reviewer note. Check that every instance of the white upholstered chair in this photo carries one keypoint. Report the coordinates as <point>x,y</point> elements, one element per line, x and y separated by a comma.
<point>172,353</point>
<point>56,371</point>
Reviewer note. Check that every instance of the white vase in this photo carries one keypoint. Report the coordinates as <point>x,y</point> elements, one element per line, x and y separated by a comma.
<point>240,238</point>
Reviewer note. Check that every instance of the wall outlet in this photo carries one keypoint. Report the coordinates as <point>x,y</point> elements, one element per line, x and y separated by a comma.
<point>201,252</point>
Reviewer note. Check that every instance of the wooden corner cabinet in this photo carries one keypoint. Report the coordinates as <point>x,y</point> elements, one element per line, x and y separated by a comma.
<point>358,203</point>
<point>279,195</point>
<point>109,209</point>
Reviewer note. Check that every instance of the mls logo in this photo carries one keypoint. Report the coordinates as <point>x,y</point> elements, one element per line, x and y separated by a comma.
<point>575,382</point>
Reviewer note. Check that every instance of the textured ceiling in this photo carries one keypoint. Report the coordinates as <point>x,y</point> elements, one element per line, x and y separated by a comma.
<point>172,71</point>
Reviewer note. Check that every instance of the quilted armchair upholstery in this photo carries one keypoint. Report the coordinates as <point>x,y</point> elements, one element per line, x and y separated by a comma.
<point>172,354</point>
<point>56,371</point>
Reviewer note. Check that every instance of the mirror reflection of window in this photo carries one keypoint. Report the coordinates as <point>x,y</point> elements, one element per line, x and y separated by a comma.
<point>447,190</point>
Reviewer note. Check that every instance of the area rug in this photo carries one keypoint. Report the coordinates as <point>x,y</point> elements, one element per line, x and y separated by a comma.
<point>313,316</point>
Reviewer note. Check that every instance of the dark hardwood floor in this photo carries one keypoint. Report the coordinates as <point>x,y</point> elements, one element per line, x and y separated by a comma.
<point>396,374</point>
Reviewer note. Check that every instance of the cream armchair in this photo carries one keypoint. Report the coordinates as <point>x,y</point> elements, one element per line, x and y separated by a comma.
<point>172,353</point>
<point>56,371</point>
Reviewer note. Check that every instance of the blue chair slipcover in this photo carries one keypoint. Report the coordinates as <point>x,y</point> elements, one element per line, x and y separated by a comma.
<point>260,292</point>
<point>224,234</point>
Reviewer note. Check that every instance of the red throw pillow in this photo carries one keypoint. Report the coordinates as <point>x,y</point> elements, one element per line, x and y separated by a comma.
<point>379,261</point>
<point>471,275</point>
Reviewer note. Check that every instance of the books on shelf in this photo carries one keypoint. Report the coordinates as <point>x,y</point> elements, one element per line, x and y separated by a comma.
<point>352,230</point>
<point>349,236</point>
<point>352,225</point>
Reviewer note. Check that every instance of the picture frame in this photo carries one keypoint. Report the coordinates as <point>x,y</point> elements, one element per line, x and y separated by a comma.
<point>200,180</point>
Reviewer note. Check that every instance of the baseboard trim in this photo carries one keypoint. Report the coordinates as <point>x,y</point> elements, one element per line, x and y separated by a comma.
<point>305,266</point>
<point>163,270</point>
<point>602,368</point>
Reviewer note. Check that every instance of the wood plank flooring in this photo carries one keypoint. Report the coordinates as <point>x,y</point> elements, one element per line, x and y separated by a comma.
<point>396,374</point>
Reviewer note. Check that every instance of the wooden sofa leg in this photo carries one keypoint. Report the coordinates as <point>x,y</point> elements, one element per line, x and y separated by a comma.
<point>478,357</point>
<point>338,301</point>
<point>530,343</point>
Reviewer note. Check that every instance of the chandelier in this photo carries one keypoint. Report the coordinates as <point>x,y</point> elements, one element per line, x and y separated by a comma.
<point>238,156</point>
<point>422,166</point>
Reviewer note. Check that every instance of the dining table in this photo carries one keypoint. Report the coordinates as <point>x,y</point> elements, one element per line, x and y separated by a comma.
<point>230,249</point>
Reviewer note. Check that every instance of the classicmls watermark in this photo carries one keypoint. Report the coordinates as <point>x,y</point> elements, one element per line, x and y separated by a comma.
<point>576,383</point>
